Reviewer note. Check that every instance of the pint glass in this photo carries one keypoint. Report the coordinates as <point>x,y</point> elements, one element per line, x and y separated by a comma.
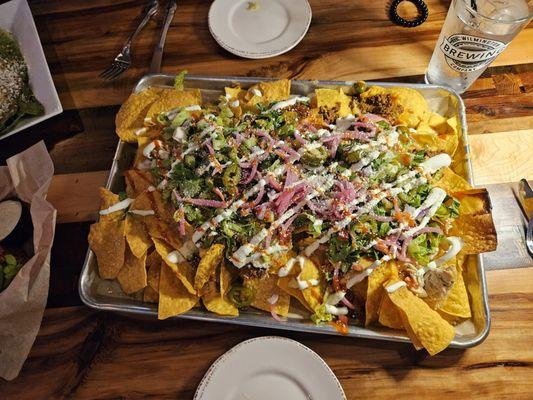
<point>475,32</point>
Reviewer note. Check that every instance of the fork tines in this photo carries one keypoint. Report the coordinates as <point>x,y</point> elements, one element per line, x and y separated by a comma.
<point>116,68</point>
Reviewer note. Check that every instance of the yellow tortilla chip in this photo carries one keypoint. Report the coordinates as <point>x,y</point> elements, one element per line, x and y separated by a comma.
<point>136,235</point>
<point>153,265</point>
<point>137,182</point>
<point>139,156</point>
<point>374,293</point>
<point>474,224</point>
<point>451,182</point>
<point>425,139</point>
<point>109,199</point>
<point>289,285</point>
<point>313,295</point>
<point>161,225</point>
<point>388,314</point>
<point>264,288</point>
<point>333,99</point>
<point>235,93</point>
<point>415,107</point>
<point>183,269</point>
<point>208,264</point>
<point>431,330</point>
<point>215,302</point>
<point>457,304</point>
<point>226,277</point>
<point>170,98</point>
<point>132,275</point>
<point>174,298</point>
<point>150,295</point>
<point>107,240</point>
<point>270,92</point>
<point>414,340</point>
<point>131,115</point>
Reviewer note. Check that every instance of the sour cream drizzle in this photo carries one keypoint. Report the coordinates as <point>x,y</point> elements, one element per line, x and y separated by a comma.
<point>121,205</point>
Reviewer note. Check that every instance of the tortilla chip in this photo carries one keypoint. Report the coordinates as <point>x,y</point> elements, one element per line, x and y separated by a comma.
<point>150,295</point>
<point>137,182</point>
<point>313,295</point>
<point>415,107</point>
<point>434,142</point>
<point>414,340</point>
<point>107,240</point>
<point>170,98</point>
<point>174,298</point>
<point>136,235</point>
<point>460,159</point>
<point>263,288</point>
<point>226,277</point>
<point>451,182</point>
<point>289,285</point>
<point>280,260</point>
<point>142,142</point>
<point>208,265</point>
<point>132,275</point>
<point>270,92</point>
<point>153,265</point>
<point>161,225</point>
<point>374,293</point>
<point>334,99</point>
<point>474,224</point>
<point>235,93</point>
<point>457,304</point>
<point>432,331</point>
<point>109,199</point>
<point>131,115</point>
<point>215,302</point>
<point>183,270</point>
<point>388,314</point>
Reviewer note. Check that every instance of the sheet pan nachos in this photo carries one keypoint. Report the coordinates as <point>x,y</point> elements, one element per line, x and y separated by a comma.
<point>350,203</point>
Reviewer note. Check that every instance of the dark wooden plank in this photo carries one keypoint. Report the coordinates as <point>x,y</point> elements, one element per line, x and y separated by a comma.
<point>78,141</point>
<point>346,40</point>
<point>68,254</point>
<point>83,354</point>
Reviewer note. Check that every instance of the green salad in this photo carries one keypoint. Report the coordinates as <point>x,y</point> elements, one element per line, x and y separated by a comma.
<point>16,97</point>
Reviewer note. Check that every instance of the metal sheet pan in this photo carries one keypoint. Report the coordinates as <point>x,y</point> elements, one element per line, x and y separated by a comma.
<point>107,295</point>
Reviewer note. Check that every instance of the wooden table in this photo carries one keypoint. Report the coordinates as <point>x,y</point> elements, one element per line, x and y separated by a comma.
<point>84,354</point>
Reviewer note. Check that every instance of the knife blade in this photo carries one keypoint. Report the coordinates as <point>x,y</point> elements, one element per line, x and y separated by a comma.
<point>155,66</point>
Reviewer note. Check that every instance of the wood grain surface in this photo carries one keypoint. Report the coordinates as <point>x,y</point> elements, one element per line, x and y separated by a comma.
<point>82,354</point>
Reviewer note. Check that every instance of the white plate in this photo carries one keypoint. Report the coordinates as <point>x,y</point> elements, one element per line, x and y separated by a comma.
<point>273,27</point>
<point>16,17</point>
<point>269,367</point>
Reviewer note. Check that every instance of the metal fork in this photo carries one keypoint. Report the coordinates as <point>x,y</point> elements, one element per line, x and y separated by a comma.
<point>123,59</point>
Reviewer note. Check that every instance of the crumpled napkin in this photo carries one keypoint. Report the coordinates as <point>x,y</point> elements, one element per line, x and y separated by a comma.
<point>27,177</point>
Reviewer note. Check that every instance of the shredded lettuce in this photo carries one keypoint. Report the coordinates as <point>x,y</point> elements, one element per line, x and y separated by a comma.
<point>179,80</point>
<point>321,315</point>
<point>423,247</point>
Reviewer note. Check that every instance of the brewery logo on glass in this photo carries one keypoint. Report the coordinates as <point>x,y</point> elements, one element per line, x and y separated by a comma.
<point>466,53</point>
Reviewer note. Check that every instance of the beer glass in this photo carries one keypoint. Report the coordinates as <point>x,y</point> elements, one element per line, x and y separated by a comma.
<point>475,32</point>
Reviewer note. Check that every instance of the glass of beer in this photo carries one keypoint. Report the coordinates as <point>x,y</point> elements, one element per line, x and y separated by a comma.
<point>475,32</point>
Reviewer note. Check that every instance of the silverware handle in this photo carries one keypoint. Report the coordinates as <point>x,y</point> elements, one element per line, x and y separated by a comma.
<point>155,66</point>
<point>148,12</point>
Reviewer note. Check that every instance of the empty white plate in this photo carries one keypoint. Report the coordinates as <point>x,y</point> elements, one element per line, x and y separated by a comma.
<point>261,28</point>
<point>269,367</point>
